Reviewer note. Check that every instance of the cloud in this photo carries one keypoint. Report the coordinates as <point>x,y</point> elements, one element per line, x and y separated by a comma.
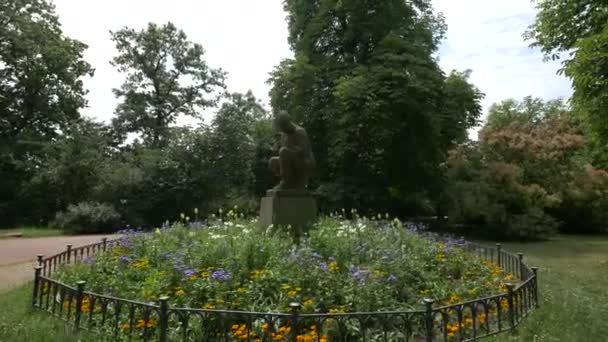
<point>248,38</point>
<point>486,36</point>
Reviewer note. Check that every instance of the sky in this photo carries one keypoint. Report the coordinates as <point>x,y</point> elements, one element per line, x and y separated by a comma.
<point>248,38</point>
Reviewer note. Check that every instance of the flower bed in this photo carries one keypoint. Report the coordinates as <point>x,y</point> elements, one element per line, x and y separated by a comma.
<point>340,269</point>
<point>343,266</point>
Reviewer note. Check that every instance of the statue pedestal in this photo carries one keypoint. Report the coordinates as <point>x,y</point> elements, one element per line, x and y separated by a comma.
<point>288,207</point>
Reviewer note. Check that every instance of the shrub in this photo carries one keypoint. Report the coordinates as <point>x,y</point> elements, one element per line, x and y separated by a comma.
<point>493,198</point>
<point>88,217</point>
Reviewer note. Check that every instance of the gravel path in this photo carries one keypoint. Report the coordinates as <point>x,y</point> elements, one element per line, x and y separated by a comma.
<point>17,255</point>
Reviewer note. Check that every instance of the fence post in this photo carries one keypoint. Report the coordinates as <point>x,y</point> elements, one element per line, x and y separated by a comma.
<point>37,269</point>
<point>498,256</point>
<point>104,243</point>
<point>295,313</point>
<point>535,271</point>
<point>429,318</point>
<point>40,262</point>
<point>163,318</point>
<point>79,295</point>
<point>521,265</point>
<point>510,296</point>
<point>69,253</point>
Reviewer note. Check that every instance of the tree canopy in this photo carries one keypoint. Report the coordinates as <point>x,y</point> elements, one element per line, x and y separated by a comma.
<point>166,77</point>
<point>578,31</point>
<point>365,83</point>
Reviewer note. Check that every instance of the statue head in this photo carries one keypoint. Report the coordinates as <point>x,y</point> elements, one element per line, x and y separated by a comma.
<point>283,123</point>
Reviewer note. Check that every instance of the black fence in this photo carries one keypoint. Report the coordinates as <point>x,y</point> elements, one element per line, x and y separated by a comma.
<point>119,318</point>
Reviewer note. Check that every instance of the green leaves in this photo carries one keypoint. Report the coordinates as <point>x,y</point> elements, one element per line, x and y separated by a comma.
<point>166,77</point>
<point>579,28</point>
<point>378,108</point>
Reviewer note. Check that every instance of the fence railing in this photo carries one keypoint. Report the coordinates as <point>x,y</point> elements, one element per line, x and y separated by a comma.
<point>157,321</point>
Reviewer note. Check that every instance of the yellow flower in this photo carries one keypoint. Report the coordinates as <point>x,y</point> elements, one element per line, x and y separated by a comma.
<point>205,275</point>
<point>509,277</point>
<point>141,264</point>
<point>209,307</point>
<point>126,326</point>
<point>145,324</point>
<point>292,293</point>
<point>285,287</point>
<point>148,293</point>
<point>180,292</point>
<point>285,329</point>
<point>193,277</point>
<point>308,302</point>
<point>440,257</point>
<point>333,266</point>
<point>454,299</point>
<point>424,292</point>
<point>265,326</point>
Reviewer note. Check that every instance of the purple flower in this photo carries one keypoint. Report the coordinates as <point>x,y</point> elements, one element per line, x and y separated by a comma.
<point>391,277</point>
<point>221,274</point>
<point>323,265</point>
<point>124,259</point>
<point>316,255</point>
<point>360,274</point>
<point>189,273</point>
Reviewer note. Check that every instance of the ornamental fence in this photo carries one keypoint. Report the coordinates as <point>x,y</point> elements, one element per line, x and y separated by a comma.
<point>122,319</point>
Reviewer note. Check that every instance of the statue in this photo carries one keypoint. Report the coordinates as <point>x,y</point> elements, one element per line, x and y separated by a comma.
<point>289,204</point>
<point>296,161</point>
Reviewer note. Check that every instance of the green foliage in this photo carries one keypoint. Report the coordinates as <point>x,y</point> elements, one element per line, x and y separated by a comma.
<point>530,172</point>
<point>581,29</point>
<point>378,108</point>
<point>88,217</point>
<point>166,77</point>
<point>41,92</point>
<point>493,196</point>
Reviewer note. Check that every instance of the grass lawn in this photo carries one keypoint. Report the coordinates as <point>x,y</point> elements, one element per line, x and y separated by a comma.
<point>573,280</point>
<point>30,232</point>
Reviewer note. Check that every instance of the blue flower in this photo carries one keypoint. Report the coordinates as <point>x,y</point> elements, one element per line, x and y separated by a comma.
<point>221,274</point>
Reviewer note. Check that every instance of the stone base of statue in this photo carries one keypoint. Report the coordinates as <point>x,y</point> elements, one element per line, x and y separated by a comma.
<point>281,208</point>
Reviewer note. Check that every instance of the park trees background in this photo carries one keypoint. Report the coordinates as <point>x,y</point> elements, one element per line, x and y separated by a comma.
<point>389,127</point>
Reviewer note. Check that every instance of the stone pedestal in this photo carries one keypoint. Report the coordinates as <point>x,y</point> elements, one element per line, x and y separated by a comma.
<point>285,207</point>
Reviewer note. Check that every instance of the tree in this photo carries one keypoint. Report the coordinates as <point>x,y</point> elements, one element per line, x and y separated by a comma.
<point>579,28</point>
<point>166,77</point>
<point>529,172</point>
<point>234,147</point>
<point>366,86</point>
<point>41,91</point>
<point>70,169</point>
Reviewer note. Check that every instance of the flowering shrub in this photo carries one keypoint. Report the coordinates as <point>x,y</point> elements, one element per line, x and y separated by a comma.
<point>339,266</point>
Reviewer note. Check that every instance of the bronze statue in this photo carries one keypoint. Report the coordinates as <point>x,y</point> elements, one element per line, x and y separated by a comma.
<point>296,162</point>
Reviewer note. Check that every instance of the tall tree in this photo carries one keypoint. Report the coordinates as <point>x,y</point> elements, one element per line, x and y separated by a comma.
<point>233,145</point>
<point>579,30</point>
<point>166,77</point>
<point>365,84</point>
<point>41,90</point>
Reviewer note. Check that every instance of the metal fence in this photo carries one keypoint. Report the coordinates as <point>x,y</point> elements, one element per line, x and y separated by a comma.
<point>119,318</point>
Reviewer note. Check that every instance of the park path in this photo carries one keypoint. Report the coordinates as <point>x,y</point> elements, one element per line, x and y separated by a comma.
<point>17,255</point>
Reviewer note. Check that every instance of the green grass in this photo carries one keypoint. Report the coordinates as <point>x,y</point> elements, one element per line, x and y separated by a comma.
<point>31,232</point>
<point>19,324</point>
<point>573,285</point>
<point>573,280</point>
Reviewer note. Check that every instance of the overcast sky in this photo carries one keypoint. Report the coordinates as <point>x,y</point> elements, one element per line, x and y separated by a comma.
<point>248,38</point>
